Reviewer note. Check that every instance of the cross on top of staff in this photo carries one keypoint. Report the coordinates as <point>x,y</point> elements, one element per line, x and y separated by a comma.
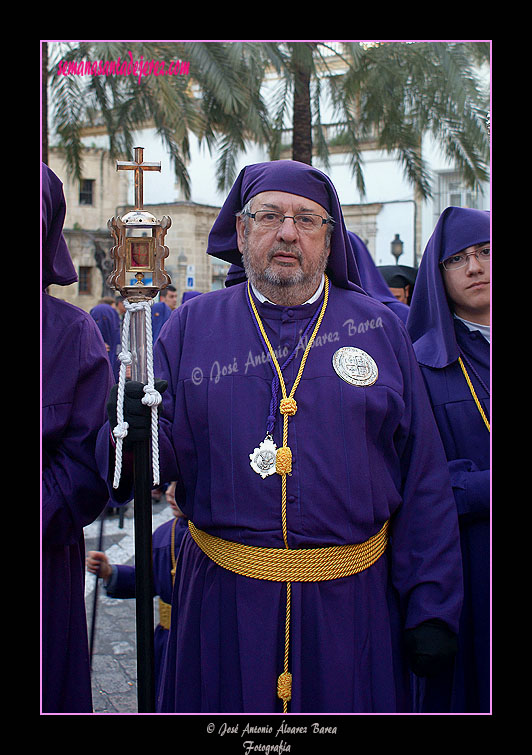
<point>139,166</point>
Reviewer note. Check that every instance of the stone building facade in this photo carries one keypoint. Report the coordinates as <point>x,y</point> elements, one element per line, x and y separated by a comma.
<point>103,194</point>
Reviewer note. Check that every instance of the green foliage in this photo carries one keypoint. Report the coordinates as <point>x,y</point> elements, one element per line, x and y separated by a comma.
<point>391,93</point>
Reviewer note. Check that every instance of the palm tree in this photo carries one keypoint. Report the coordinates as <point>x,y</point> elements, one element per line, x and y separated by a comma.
<point>392,93</point>
<point>389,93</point>
<point>219,101</point>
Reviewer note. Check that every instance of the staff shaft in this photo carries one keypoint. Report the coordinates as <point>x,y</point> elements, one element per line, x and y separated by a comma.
<point>143,536</point>
<point>144,578</point>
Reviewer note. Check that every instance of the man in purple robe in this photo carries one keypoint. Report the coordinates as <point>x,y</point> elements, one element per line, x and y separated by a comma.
<point>76,379</point>
<point>355,450</point>
<point>160,312</point>
<point>449,323</point>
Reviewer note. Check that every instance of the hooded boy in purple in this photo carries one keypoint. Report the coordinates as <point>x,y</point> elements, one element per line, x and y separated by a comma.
<point>365,450</point>
<point>76,379</point>
<point>449,322</point>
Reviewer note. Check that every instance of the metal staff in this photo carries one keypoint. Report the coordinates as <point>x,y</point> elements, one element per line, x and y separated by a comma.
<point>139,274</point>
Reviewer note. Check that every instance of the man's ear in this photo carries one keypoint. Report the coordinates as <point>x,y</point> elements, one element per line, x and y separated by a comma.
<point>240,233</point>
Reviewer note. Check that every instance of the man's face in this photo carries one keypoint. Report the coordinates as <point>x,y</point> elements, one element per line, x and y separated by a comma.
<point>283,257</point>
<point>171,299</point>
<point>401,294</point>
<point>469,286</point>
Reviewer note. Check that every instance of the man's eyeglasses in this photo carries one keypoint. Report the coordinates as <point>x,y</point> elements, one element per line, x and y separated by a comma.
<point>304,221</point>
<point>460,260</point>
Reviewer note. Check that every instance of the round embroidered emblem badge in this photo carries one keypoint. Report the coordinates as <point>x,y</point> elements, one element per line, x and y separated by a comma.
<point>355,366</point>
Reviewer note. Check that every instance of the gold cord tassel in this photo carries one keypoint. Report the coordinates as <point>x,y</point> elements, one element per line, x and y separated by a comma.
<point>284,686</point>
<point>283,467</point>
<point>283,460</point>
<point>288,406</point>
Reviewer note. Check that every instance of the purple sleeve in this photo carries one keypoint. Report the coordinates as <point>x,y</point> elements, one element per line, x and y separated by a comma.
<point>73,493</point>
<point>471,488</point>
<point>123,582</point>
<point>425,542</point>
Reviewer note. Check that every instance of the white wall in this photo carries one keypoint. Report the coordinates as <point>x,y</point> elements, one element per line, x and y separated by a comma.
<point>383,176</point>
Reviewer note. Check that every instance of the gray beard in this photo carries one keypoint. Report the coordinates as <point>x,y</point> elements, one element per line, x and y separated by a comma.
<point>285,290</point>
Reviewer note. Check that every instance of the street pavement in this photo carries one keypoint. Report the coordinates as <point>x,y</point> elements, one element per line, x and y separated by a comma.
<point>114,662</point>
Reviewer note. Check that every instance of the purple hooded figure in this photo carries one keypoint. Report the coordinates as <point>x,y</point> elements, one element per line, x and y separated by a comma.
<point>449,327</point>
<point>372,280</point>
<point>76,379</point>
<point>361,453</point>
<point>160,312</point>
<point>108,321</point>
<point>189,295</point>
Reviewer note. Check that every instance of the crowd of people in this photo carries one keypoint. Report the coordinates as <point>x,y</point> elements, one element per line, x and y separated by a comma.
<point>329,545</point>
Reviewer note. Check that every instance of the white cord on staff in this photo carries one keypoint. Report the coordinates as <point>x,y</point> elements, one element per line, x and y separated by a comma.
<point>152,397</point>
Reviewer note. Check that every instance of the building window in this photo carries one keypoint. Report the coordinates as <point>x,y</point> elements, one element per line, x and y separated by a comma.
<point>452,192</point>
<point>86,191</point>
<point>84,283</point>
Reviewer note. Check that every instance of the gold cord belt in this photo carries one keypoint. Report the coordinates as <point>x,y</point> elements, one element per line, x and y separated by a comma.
<point>292,565</point>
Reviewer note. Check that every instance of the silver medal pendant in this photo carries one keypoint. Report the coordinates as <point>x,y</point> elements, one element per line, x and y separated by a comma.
<point>262,460</point>
<point>355,366</point>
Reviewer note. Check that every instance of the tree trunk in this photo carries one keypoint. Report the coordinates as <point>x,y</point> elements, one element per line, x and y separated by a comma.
<point>302,119</point>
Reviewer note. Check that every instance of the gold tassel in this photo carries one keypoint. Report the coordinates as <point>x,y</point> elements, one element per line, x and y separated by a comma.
<point>284,686</point>
<point>288,406</point>
<point>283,460</point>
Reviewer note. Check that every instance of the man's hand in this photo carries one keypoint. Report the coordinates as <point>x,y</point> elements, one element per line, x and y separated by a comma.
<point>136,414</point>
<point>431,648</point>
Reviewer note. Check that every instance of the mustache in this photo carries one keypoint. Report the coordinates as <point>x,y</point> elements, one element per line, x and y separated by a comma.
<point>289,249</point>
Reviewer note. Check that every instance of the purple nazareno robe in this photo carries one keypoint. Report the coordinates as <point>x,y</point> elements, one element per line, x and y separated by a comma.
<point>160,312</point>
<point>362,455</point>
<point>76,379</point>
<point>439,339</point>
<point>372,281</point>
